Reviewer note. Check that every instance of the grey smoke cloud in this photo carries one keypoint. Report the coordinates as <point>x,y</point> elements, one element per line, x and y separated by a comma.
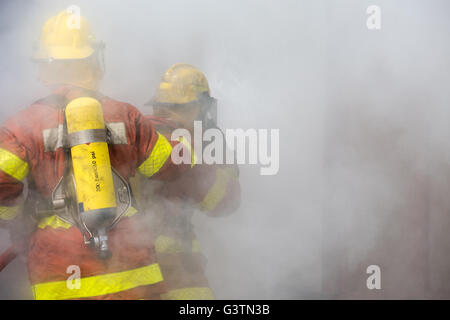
<point>363,119</point>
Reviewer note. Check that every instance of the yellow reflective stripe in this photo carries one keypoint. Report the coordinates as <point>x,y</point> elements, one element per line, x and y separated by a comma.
<point>53,222</point>
<point>9,213</point>
<point>188,145</point>
<point>217,191</point>
<point>56,222</point>
<point>164,244</point>
<point>13,165</point>
<point>195,246</point>
<point>130,212</point>
<point>160,153</point>
<point>99,285</point>
<point>200,293</point>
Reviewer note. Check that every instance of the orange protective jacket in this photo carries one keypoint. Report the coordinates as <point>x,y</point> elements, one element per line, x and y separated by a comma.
<point>30,148</point>
<point>213,189</point>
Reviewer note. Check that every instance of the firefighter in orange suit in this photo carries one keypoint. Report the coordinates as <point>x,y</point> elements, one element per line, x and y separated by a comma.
<point>183,97</point>
<point>39,143</point>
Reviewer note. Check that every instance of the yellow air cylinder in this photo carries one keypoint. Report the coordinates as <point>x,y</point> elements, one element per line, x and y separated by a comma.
<point>91,169</point>
<point>90,160</point>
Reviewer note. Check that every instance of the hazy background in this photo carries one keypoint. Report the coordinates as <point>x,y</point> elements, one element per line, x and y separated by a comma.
<point>364,132</point>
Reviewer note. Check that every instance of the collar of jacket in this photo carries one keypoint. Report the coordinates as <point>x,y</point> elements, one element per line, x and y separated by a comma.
<point>163,125</point>
<point>62,94</point>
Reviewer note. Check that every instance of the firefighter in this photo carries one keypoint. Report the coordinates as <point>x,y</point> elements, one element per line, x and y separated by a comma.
<point>183,97</point>
<point>77,149</point>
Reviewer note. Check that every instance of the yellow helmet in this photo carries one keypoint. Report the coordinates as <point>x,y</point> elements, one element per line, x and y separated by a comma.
<point>180,84</point>
<point>74,44</point>
<point>61,39</point>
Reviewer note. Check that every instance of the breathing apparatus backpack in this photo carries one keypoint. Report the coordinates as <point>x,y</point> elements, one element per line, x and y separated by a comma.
<point>91,194</point>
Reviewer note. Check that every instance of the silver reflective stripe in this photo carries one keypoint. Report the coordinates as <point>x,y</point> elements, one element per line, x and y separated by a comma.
<point>53,137</point>
<point>118,133</point>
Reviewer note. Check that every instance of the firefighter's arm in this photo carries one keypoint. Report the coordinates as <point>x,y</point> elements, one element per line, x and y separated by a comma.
<point>214,188</point>
<point>13,169</point>
<point>154,152</point>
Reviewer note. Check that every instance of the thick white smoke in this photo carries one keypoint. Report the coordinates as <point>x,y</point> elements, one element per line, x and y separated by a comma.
<point>363,132</point>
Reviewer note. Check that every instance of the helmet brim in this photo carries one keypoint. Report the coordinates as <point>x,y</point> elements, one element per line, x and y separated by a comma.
<point>63,53</point>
